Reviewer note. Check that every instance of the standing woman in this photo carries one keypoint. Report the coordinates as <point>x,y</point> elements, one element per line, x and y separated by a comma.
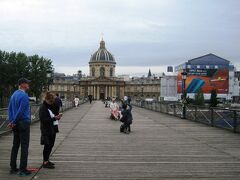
<point>48,133</point>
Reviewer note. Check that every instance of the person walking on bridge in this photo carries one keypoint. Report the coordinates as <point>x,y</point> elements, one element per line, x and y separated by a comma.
<point>19,122</point>
<point>76,101</point>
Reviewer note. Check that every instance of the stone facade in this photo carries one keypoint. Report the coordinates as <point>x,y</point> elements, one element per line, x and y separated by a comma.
<point>103,83</point>
<point>142,88</point>
<point>66,86</point>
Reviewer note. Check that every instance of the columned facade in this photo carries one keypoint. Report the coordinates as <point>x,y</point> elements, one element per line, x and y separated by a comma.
<point>102,82</point>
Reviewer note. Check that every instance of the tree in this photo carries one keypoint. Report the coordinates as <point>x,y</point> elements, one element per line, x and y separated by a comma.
<point>14,65</point>
<point>213,99</point>
<point>199,98</point>
<point>39,67</point>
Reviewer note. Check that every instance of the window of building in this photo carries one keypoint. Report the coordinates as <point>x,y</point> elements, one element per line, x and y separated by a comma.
<point>111,72</point>
<point>93,71</point>
<point>102,71</point>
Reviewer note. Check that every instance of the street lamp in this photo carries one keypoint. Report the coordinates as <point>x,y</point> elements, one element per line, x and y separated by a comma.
<point>142,89</point>
<point>49,76</point>
<point>74,88</point>
<point>184,94</point>
<point>142,95</point>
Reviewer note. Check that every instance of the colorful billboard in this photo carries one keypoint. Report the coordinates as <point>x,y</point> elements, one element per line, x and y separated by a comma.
<point>205,79</point>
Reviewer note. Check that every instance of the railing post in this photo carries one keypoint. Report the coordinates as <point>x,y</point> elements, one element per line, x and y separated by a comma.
<point>212,117</point>
<point>234,121</point>
<point>183,110</point>
<point>195,113</point>
<point>174,109</point>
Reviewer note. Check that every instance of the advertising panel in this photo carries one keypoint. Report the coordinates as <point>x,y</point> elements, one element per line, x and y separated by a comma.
<point>205,79</point>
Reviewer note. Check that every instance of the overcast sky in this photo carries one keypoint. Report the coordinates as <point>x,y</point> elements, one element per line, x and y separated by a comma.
<point>140,34</point>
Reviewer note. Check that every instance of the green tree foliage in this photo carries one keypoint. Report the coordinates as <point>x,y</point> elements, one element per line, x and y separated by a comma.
<point>16,65</point>
<point>213,99</point>
<point>199,98</point>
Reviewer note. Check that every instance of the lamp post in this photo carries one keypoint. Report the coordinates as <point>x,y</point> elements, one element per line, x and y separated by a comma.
<point>142,95</point>
<point>184,94</point>
<point>49,75</point>
<point>74,89</point>
<point>142,89</point>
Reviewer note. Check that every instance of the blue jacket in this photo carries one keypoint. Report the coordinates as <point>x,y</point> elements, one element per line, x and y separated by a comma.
<point>19,108</point>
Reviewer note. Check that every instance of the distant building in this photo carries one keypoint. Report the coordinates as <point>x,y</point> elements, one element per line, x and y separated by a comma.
<point>143,87</point>
<point>102,82</point>
<point>169,69</point>
<point>66,86</point>
<point>236,97</point>
<point>168,87</point>
<point>149,73</point>
<point>206,73</point>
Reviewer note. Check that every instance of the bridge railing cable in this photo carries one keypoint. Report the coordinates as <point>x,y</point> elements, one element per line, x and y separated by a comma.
<point>34,114</point>
<point>213,116</point>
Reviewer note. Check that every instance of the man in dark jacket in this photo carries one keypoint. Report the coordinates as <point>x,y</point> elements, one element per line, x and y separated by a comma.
<point>126,118</point>
<point>90,98</point>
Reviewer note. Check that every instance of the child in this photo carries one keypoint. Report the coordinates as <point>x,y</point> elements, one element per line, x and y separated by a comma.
<point>126,118</point>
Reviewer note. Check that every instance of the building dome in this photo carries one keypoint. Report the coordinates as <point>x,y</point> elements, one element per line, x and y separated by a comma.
<point>102,55</point>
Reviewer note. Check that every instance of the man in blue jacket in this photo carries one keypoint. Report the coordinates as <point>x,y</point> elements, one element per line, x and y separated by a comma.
<point>19,121</point>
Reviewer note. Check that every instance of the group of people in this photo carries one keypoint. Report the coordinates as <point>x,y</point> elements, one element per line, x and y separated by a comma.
<point>19,122</point>
<point>123,113</point>
<point>49,114</point>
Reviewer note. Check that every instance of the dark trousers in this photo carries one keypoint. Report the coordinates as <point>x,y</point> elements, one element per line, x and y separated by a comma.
<point>21,136</point>
<point>127,126</point>
<point>48,147</point>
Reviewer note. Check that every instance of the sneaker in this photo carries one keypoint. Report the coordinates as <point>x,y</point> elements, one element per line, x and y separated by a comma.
<point>48,166</point>
<point>126,131</point>
<point>14,171</point>
<point>25,173</point>
<point>51,163</point>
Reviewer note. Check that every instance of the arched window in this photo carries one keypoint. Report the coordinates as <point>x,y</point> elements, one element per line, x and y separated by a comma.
<point>93,71</point>
<point>102,71</point>
<point>111,72</point>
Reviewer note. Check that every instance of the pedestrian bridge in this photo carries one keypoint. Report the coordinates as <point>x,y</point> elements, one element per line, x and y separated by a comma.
<point>90,146</point>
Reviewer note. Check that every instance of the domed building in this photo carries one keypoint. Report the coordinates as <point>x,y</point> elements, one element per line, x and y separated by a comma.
<point>102,82</point>
<point>102,63</point>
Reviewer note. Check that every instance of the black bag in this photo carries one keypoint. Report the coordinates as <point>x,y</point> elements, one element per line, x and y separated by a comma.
<point>122,128</point>
<point>44,140</point>
<point>56,129</point>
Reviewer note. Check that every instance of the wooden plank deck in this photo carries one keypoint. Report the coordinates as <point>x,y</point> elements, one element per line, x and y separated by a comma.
<point>89,146</point>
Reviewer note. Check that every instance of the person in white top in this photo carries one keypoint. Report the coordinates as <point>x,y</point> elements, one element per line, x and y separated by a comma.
<point>76,101</point>
<point>114,108</point>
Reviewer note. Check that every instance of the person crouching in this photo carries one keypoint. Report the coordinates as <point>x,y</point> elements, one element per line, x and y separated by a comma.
<point>48,133</point>
<point>126,118</point>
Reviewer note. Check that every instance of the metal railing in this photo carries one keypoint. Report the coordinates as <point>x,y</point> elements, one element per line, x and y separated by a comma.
<point>34,110</point>
<point>216,117</point>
